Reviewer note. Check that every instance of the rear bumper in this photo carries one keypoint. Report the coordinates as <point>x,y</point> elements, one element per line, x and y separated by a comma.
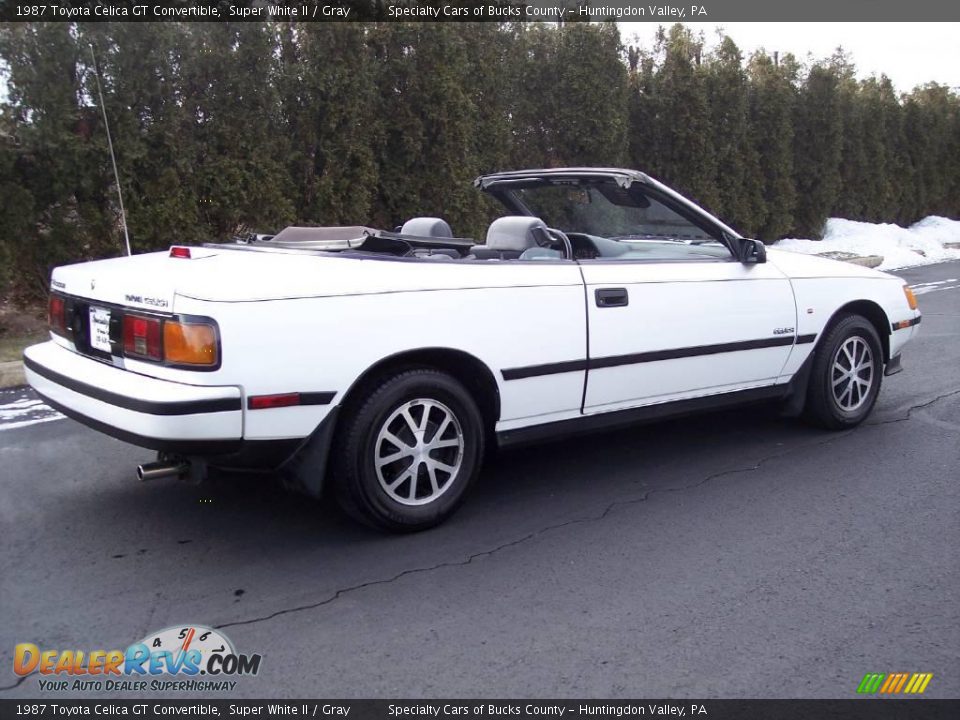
<point>157,414</point>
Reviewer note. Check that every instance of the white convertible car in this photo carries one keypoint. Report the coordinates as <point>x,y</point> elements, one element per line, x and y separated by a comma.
<point>382,364</point>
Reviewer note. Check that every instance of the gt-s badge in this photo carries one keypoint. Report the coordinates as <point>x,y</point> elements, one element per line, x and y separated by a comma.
<point>783,331</point>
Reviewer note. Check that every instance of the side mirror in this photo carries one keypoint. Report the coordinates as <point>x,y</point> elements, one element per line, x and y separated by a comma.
<point>752,252</point>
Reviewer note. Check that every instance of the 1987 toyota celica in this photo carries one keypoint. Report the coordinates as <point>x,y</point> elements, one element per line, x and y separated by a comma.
<point>381,364</point>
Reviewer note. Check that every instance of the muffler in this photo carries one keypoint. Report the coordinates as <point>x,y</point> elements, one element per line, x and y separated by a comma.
<point>163,469</point>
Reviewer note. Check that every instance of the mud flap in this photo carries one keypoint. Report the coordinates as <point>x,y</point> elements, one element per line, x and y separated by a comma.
<point>796,397</point>
<point>306,470</point>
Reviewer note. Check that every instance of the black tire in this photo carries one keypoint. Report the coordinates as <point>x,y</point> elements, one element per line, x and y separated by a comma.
<point>824,408</point>
<point>428,495</point>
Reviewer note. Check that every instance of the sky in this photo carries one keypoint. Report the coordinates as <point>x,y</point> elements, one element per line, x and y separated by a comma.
<point>910,54</point>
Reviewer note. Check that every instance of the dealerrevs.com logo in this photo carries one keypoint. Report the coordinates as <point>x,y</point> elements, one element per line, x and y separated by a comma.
<point>181,658</point>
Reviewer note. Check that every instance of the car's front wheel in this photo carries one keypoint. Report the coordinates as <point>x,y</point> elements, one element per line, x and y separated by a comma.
<point>408,451</point>
<point>846,374</point>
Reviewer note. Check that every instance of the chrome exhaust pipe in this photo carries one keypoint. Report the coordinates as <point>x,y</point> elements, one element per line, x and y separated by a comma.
<point>157,470</point>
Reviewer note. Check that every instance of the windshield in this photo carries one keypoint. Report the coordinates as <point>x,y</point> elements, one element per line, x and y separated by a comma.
<point>605,209</point>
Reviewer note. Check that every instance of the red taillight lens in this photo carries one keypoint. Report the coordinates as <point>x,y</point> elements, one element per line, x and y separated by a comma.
<point>57,315</point>
<point>141,337</point>
<point>178,251</point>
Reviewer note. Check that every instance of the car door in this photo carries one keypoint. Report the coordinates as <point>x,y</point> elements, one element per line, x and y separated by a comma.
<point>664,331</point>
<point>672,312</point>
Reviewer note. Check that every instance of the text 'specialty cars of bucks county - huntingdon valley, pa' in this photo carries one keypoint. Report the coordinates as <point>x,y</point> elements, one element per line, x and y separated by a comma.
<point>382,365</point>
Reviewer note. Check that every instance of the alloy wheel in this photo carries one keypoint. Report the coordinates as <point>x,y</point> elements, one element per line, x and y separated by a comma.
<point>852,373</point>
<point>418,451</point>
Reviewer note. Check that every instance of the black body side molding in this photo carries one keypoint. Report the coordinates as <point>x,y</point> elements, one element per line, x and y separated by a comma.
<point>632,416</point>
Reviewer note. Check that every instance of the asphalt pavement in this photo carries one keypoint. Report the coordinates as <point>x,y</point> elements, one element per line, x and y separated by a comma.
<point>735,554</point>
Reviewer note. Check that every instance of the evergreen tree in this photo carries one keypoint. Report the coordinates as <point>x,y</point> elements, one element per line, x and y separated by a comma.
<point>54,165</point>
<point>818,148</point>
<point>738,184</point>
<point>642,111</point>
<point>427,161</point>
<point>329,97</point>
<point>929,128</point>
<point>882,143</point>
<point>855,171</point>
<point>587,124</point>
<point>223,127</point>
<point>772,96</point>
<point>684,140</point>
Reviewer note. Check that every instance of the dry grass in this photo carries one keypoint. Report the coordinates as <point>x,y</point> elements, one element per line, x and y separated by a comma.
<point>20,327</point>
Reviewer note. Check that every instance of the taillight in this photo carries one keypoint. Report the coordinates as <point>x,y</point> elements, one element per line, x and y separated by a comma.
<point>57,315</point>
<point>179,251</point>
<point>141,337</point>
<point>190,343</point>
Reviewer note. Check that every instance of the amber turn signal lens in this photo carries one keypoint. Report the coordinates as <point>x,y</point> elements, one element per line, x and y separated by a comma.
<point>190,343</point>
<point>911,298</point>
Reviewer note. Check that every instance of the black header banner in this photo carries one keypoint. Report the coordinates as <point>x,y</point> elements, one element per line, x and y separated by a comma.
<point>477,10</point>
<point>863,709</point>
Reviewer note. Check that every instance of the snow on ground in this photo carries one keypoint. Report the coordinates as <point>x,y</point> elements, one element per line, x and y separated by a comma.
<point>920,244</point>
<point>24,411</point>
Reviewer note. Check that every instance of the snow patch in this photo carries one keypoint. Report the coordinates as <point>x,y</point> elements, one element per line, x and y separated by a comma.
<point>920,244</point>
<point>25,411</point>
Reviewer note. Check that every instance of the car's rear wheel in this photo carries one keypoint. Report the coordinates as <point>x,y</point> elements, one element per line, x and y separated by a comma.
<point>408,450</point>
<point>846,374</point>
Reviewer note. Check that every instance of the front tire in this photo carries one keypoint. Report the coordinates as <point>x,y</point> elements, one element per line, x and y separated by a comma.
<point>846,374</point>
<point>407,451</point>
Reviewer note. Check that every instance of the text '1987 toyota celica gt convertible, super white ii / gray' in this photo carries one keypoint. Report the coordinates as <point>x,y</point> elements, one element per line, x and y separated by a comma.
<point>381,365</point>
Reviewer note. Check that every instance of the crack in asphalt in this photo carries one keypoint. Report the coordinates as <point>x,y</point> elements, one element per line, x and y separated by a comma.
<point>912,408</point>
<point>598,517</point>
<point>17,684</point>
<point>615,505</point>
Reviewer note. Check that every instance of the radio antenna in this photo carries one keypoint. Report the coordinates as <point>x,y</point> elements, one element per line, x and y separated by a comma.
<point>113,158</point>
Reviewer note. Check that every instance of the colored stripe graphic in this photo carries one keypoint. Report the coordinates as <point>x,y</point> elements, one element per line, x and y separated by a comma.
<point>894,683</point>
<point>903,679</point>
<point>870,683</point>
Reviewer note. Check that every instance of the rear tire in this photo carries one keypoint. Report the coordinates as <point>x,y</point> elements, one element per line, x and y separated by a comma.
<point>846,374</point>
<point>407,451</point>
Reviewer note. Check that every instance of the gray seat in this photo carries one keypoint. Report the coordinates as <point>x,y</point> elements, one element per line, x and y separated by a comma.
<point>509,237</point>
<point>427,227</point>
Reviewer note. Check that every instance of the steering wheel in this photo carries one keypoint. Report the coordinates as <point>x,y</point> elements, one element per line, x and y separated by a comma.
<point>560,238</point>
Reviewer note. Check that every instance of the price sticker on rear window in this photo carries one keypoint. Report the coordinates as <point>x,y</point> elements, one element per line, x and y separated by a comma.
<point>100,329</point>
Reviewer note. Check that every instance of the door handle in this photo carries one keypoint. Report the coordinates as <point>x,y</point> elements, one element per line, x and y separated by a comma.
<point>612,297</point>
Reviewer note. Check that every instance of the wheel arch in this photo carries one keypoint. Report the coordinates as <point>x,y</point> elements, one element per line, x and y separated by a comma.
<point>874,313</point>
<point>468,369</point>
<point>306,468</point>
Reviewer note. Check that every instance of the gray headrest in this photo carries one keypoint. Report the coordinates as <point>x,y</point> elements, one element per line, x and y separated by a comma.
<point>514,232</point>
<point>426,227</point>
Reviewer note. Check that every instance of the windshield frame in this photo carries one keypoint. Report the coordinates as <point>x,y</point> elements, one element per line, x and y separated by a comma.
<point>502,188</point>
